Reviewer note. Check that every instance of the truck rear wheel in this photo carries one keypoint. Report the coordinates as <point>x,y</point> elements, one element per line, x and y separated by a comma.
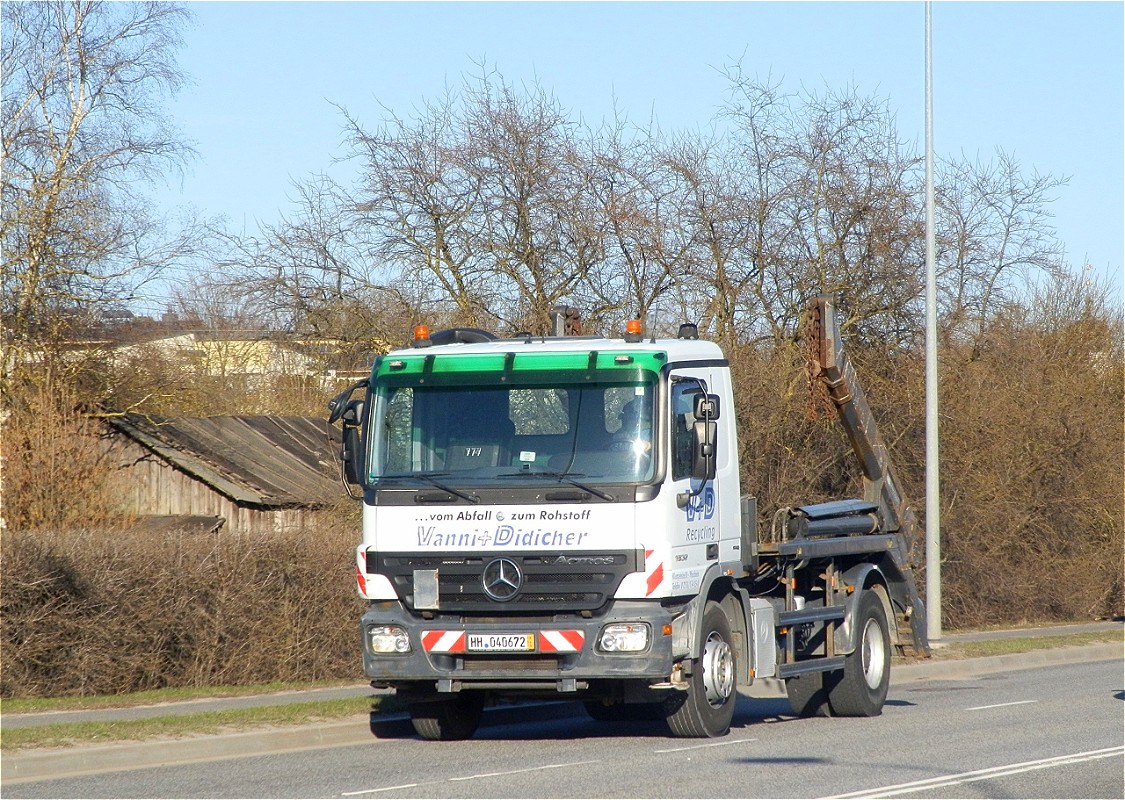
<point>807,695</point>
<point>862,689</point>
<point>707,707</point>
<point>449,718</point>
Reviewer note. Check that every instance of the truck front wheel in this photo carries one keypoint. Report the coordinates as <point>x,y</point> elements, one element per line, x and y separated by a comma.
<point>862,689</point>
<point>707,707</point>
<point>448,718</point>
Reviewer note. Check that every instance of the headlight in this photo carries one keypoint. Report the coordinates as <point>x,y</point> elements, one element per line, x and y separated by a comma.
<point>388,639</point>
<point>624,637</point>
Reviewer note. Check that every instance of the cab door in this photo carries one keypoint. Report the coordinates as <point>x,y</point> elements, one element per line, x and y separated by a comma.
<point>695,526</point>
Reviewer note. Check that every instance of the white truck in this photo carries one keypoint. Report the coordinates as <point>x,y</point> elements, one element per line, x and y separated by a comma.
<point>562,516</point>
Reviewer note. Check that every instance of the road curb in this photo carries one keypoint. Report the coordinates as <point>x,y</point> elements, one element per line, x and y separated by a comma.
<point>37,765</point>
<point>971,667</point>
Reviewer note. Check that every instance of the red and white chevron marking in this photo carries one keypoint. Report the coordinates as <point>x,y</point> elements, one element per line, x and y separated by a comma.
<point>561,641</point>
<point>654,572</point>
<point>360,569</point>
<point>443,641</point>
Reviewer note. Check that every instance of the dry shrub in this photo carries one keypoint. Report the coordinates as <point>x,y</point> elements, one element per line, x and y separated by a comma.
<point>86,612</point>
<point>56,473</point>
<point>793,450</point>
<point>1031,460</point>
<point>786,458</point>
<point>1031,475</point>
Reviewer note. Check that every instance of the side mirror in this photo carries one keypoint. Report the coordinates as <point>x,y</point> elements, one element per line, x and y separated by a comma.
<point>706,406</point>
<point>704,450</point>
<point>352,414</point>
<point>704,453</point>
<point>351,446</point>
<point>349,413</point>
<point>351,451</point>
<point>341,402</point>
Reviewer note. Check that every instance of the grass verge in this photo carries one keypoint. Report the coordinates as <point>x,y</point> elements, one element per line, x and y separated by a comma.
<point>40,705</point>
<point>1000,647</point>
<point>63,734</point>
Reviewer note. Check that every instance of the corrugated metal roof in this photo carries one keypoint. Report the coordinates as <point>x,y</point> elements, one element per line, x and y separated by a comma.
<point>271,461</point>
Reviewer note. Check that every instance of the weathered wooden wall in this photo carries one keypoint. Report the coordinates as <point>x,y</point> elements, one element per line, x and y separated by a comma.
<point>155,487</point>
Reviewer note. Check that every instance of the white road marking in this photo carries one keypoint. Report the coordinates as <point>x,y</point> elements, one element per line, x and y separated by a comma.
<point>382,789</point>
<point>982,774</point>
<point>1002,705</point>
<point>468,778</point>
<point>528,769</point>
<point>708,744</point>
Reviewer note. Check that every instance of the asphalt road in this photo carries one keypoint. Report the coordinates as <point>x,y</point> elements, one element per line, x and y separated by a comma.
<point>1052,731</point>
<point>920,669</point>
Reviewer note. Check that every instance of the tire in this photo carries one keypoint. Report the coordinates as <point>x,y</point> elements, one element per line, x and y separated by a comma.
<point>447,719</point>
<point>705,710</point>
<point>862,688</point>
<point>807,695</point>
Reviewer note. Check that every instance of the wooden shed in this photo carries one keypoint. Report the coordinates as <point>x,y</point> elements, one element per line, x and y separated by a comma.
<point>258,474</point>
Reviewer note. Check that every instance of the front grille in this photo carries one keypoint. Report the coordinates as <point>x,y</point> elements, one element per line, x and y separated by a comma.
<point>550,581</point>
<point>525,663</point>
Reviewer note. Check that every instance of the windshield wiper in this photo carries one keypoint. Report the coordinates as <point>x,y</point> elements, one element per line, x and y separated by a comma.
<point>432,479</point>
<point>567,477</point>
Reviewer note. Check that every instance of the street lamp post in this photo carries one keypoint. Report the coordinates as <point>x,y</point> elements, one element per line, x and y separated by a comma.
<point>933,497</point>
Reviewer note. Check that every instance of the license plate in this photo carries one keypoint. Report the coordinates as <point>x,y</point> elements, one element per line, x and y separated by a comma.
<point>501,642</point>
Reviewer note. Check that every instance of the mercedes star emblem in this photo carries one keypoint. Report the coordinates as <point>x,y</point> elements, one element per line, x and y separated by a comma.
<point>502,579</point>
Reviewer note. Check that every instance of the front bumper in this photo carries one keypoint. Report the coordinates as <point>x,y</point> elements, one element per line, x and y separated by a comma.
<point>565,657</point>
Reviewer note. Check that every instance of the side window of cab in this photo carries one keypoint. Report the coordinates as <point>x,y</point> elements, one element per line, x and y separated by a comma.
<point>683,405</point>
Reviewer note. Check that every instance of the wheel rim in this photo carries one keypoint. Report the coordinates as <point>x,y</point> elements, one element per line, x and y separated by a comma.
<point>874,654</point>
<point>718,670</point>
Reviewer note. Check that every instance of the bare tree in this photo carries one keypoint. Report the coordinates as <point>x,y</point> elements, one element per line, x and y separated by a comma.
<point>762,129</point>
<point>522,153</point>
<point>996,233</point>
<point>418,204</point>
<point>853,207</point>
<point>312,274</point>
<point>713,208</point>
<point>481,200</point>
<point>491,205</point>
<point>646,247</point>
<point>83,133</point>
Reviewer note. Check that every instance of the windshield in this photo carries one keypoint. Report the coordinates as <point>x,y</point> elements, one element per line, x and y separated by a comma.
<point>593,432</point>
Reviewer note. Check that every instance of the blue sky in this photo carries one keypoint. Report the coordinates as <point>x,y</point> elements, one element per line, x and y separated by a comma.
<point>1042,80</point>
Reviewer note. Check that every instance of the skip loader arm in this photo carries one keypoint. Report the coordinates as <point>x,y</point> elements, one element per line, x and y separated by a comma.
<point>830,366</point>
